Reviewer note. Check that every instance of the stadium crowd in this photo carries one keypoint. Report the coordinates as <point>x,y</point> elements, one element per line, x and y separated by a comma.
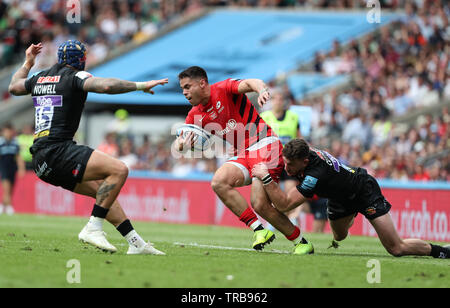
<point>404,66</point>
<point>401,67</point>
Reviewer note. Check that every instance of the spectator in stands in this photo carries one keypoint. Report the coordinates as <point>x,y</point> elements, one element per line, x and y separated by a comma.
<point>25,141</point>
<point>10,163</point>
<point>109,145</point>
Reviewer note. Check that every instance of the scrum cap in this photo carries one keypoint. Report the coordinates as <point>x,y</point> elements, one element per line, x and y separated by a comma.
<point>72,53</point>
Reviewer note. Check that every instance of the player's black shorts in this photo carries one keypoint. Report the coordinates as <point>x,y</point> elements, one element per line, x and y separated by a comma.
<point>61,164</point>
<point>319,208</point>
<point>369,201</point>
<point>8,173</point>
<point>285,177</point>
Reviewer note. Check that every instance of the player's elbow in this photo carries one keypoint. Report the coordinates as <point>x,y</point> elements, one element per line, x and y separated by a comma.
<point>14,89</point>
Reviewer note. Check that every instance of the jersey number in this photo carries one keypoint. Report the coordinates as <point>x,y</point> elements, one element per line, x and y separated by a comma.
<point>44,116</point>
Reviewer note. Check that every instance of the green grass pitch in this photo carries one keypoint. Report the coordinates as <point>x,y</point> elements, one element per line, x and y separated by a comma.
<point>34,251</point>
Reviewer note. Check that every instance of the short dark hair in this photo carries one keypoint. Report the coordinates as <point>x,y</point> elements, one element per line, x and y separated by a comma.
<point>193,72</point>
<point>296,149</point>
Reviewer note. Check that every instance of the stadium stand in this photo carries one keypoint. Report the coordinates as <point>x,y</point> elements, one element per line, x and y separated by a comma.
<point>360,116</point>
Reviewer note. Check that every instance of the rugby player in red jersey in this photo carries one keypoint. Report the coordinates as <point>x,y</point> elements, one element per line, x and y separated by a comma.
<point>224,110</point>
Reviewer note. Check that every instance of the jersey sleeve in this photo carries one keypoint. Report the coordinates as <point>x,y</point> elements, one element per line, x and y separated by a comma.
<point>189,118</point>
<point>31,81</point>
<point>80,78</point>
<point>230,85</point>
<point>308,187</point>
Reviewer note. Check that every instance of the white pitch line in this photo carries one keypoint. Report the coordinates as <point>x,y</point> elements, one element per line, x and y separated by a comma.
<point>229,248</point>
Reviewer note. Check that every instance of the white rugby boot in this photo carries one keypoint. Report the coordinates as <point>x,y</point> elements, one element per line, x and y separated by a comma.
<point>96,238</point>
<point>147,249</point>
<point>2,209</point>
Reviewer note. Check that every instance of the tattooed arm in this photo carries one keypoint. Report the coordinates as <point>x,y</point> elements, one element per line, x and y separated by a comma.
<point>117,86</point>
<point>17,84</point>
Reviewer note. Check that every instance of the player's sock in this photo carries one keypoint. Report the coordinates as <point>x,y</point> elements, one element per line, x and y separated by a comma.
<point>440,252</point>
<point>98,215</point>
<point>128,232</point>
<point>250,220</point>
<point>296,237</point>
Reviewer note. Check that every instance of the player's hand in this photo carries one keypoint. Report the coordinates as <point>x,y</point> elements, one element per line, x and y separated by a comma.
<point>264,97</point>
<point>186,142</point>
<point>260,171</point>
<point>31,54</point>
<point>153,83</point>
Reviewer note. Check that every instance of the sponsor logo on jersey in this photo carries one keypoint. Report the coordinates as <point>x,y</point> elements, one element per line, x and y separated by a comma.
<point>213,115</point>
<point>232,124</point>
<point>49,79</point>
<point>218,105</point>
<point>47,101</point>
<point>371,211</point>
<point>309,183</point>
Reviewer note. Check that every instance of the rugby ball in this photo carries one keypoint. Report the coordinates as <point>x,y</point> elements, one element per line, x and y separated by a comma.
<point>202,138</point>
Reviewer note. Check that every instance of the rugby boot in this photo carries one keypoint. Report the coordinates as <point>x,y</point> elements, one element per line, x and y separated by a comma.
<point>262,238</point>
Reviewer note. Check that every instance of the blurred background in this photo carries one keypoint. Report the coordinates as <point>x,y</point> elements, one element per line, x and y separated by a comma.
<point>375,93</point>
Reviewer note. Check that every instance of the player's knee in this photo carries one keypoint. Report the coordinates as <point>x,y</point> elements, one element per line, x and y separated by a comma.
<point>122,170</point>
<point>219,186</point>
<point>396,250</point>
<point>340,236</point>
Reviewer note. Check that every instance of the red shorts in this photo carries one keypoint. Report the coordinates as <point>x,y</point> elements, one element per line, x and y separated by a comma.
<point>267,151</point>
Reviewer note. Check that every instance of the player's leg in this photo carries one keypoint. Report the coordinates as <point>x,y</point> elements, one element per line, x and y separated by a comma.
<point>319,210</point>
<point>224,182</point>
<point>7,185</point>
<point>113,174</point>
<point>340,227</point>
<point>295,213</point>
<point>263,206</point>
<point>116,216</point>
<point>384,226</point>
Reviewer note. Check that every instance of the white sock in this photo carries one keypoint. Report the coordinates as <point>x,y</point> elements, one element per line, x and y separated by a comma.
<point>95,223</point>
<point>298,239</point>
<point>255,225</point>
<point>134,239</point>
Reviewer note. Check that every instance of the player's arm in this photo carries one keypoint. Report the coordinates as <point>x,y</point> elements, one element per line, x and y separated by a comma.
<point>117,86</point>
<point>17,84</point>
<point>284,202</point>
<point>20,165</point>
<point>255,85</point>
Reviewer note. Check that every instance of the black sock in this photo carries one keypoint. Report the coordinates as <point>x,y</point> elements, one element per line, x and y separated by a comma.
<point>260,227</point>
<point>125,228</point>
<point>304,241</point>
<point>439,252</point>
<point>99,211</point>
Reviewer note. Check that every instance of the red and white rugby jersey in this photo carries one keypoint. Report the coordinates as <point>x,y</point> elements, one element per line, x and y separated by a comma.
<point>231,116</point>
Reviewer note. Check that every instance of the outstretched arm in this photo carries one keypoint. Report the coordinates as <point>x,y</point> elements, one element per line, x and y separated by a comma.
<point>117,86</point>
<point>17,84</point>
<point>282,201</point>
<point>258,86</point>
